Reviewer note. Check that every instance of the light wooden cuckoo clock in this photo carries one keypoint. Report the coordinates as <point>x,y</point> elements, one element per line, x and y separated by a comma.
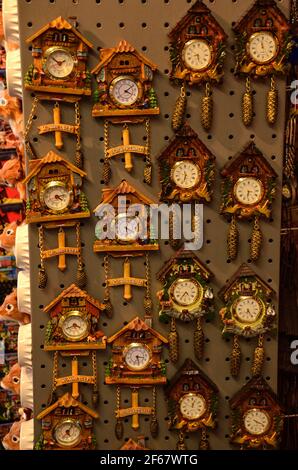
<point>136,363</point>
<point>56,201</point>
<point>186,296</point>
<point>257,419</point>
<point>59,73</point>
<point>125,95</point>
<point>248,313</point>
<point>192,403</point>
<point>263,45</point>
<point>248,191</point>
<point>124,230</point>
<point>197,52</point>
<point>67,424</point>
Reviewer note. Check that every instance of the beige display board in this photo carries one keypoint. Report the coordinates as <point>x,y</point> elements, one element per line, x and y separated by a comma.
<point>146,23</point>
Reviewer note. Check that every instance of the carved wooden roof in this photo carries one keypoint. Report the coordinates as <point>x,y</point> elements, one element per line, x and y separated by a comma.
<point>189,368</point>
<point>183,254</point>
<point>133,445</point>
<point>74,291</point>
<point>137,324</point>
<point>256,384</point>
<point>67,401</point>
<point>278,14</point>
<point>106,55</point>
<point>59,23</point>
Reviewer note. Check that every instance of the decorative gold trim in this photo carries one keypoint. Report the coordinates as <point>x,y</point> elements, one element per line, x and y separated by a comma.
<point>133,346</point>
<point>74,313</point>
<point>70,421</point>
<point>265,413</point>
<point>193,395</point>
<point>239,181</point>
<point>52,184</point>
<point>252,37</point>
<point>177,165</point>
<point>49,52</point>
<point>244,297</point>
<point>186,46</point>
<point>114,83</point>
<point>199,296</point>
<point>127,239</point>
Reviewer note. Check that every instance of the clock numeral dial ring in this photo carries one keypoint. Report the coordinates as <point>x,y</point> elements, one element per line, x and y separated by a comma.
<point>197,55</point>
<point>186,292</point>
<point>257,422</point>
<point>186,174</point>
<point>59,63</point>
<point>263,47</point>
<point>193,406</point>
<point>137,356</point>
<point>248,310</point>
<point>74,326</point>
<point>249,191</point>
<point>68,433</point>
<point>125,91</point>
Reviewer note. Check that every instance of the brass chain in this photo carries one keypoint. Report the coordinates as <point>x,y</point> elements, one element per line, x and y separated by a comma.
<point>78,134</point>
<point>54,376</point>
<point>106,270</point>
<point>41,245</point>
<point>248,85</point>
<point>118,399</point>
<point>79,246</point>
<point>106,138</point>
<point>148,142</point>
<point>154,402</point>
<point>94,368</point>
<point>148,277</point>
<point>28,127</point>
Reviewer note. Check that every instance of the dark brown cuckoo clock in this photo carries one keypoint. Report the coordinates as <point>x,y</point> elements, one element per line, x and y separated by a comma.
<point>192,403</point>
<point>124,95</point>
<point>56,201</point>
<point>136,362</point>
<point>124,231</point>
<point>186,296</point>
<point>257,419</point>
<point>248,191</point>
<point>263,45</point>
<point>187,169</point>
<point>248,313</point>
<point>197,52</point>
<point>67,424</point>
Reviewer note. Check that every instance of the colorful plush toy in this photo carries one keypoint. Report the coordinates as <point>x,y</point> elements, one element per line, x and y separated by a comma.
<point>11,172</point>
<point>8,236</point>
<point>12,439</point>
<point>12,381</point>
<point>9,310</point>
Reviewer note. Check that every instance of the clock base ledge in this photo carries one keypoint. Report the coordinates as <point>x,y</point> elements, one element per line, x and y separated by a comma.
<point>31,219</point>
<point>76,347</point>
<point>103,112</point>
<point>98,247</point>
<point>60,90</point>
<point>135,381</point>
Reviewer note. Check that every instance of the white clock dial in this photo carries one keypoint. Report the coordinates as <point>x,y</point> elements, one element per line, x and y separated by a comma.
<point>248,310</point>
<point>186,175</point>
<point>249,191</point>
<point>127,228</point>
<point>75,327</point>
<point>193,406</point>
<point>124,91</point>
<point>60,63</point>
<point>68,433</point>
<point>56,196</point>
<point>257,422</point>
<point>262,47</point>
<point>186,292</point>
<point>197,54</point>
<point>137,357</point>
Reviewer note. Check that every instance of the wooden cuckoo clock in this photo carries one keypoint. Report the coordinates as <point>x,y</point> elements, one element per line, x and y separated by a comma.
<point>55,200</point>
<point>248,191</point>
<point>187,169</point>
<point>257,419</point>
<point>124,230</point>
<point>185,296</point>
<point>74,322</point>
<point>248,313</point>
<point>131,444</point>
<point>192,403</point>
<point>197,52</point>
<point>136,363</point>
<point>59,73</point>
<point>67,424</point>
<point>263,45</point>
<point>124,95</point>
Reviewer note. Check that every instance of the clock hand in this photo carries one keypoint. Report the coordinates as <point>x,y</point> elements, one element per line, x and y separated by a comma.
<point>258,422</point>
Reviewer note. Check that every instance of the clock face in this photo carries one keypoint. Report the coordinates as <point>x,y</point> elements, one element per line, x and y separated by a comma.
<point>186,292</point>
<point>257,422</point>
<point>127,228</point>
<point>186,175</point>
<point>137,356</point>
<point>74,326</point>
<point>262,47</point>
<point>125,91</point>
<point>248,310</point>
<point>193,406</point>
<point>68,433</point>
<point>249,191</point>
<point>197,54</point>
<point>59,62</point>
<point>56,196</point>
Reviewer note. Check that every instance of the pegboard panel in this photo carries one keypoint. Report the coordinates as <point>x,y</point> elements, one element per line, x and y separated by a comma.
<point>146,23</point>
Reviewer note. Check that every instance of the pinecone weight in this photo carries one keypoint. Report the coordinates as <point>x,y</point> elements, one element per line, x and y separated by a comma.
<point>179,111</point>
<point>173,343</point>
<point>256,241</point>
<point>106,173</point>
<point>199,340</point>
<point>258,360</point>
<point>81,277</point>
<point>235,357</point>
<point>207,112</point>
<point>42,279</point>
<point>272,105</point>
<point>247,108</point>
<point>148,174</point>
<point>233,240</point>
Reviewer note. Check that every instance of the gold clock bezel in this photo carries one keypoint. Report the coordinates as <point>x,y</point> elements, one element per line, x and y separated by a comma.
<point>74,313</point>
<point>49,52</point>
<point>185,47</point>
<point>128,240</point>
<point>199,296</point>
<point>133,346</point>
<point>252,37</point>
<point>269,421</point>
<point>244,297</point>
<point>191,394</point>
<point>177,165</point>
<point>68,420</point>
<point>114,83</point>
<point>51,184</point>
<point>239,181</point>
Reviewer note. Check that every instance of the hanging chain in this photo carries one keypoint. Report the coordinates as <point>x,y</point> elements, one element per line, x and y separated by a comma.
<point>118,399</point>
<point>41,245</point>
<point>147,301</point>
<point>106,137</point>
<point>106,174</point>
<point>154,397</point>
<point>28,127</point>
<point>148,168</point>
<point>54,376</point>
<point>106,270</point>
<point>79,159</point>
<point>94,368</point>
<point>78,242</point>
